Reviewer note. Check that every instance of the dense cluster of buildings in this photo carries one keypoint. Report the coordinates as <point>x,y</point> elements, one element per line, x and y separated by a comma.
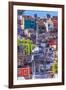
<point>29,22</point>
<point>37,46</point>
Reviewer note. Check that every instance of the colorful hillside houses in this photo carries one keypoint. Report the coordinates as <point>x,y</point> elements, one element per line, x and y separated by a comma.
<point>46,24</point>
<point>37,46</point>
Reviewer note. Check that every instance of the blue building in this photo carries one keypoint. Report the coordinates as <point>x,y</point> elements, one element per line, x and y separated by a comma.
<point>29,23</point>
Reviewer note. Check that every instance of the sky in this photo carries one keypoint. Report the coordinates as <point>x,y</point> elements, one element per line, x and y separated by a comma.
<point>39,13</point>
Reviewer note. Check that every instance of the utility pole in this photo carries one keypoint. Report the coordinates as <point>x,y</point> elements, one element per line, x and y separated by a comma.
<point>37,37</point>
<point>37,30</point>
